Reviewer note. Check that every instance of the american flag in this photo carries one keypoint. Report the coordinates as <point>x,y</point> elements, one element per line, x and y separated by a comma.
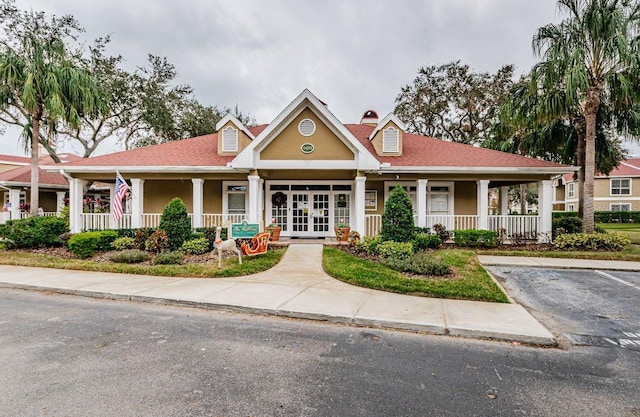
<point>121,191</point>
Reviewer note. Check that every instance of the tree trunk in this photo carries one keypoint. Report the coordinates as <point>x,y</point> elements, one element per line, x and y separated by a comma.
<point>34,201</point>
<point>590,110</point>
<point>581,132</point>
<point>523,199</point>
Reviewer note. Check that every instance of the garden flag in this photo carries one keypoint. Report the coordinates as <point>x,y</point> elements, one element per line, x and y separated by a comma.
<point>121,192</point>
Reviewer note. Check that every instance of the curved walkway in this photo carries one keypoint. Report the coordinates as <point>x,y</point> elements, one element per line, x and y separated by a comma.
<point>296,287</point>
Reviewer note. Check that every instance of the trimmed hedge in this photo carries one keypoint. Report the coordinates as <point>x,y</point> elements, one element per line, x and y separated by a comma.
<point>422,241</point>
<point>196,246</point>
<point>476,238</point>
<point>175,221</point>
<point>396,250</point>
<point>33,232</point>
<point>605,216</point>
<point>124,243</point>
<point>85,245</point>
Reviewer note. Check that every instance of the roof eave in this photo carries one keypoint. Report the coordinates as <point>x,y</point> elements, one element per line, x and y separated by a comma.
<point>477,170</point>
<point>150,169</point>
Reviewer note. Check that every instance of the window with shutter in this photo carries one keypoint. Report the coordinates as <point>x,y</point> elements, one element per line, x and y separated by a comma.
<point>390,140</point>
<point>229,140</point>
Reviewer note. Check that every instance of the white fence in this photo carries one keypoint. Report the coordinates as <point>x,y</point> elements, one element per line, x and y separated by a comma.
<point>101,221</point>
<point>521,227</point>
<point>524,227</point>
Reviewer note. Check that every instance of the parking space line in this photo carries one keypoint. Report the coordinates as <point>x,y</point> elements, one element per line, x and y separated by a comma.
<point>621,281</point>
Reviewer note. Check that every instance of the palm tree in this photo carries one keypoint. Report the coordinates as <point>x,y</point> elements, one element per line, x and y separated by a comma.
<point>592,54</point>
<point>47,86</point>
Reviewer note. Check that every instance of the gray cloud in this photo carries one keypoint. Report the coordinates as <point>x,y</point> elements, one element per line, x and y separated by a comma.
<point>354,55</point>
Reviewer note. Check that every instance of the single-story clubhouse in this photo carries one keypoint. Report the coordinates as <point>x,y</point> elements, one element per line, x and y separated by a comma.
<point>307,171</point>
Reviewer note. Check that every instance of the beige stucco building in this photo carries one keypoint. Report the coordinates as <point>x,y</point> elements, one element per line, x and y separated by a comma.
<point>307,171</point>
<point>618,191</point>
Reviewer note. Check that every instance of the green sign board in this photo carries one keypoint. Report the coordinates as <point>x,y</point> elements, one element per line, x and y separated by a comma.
<point>244,229</point>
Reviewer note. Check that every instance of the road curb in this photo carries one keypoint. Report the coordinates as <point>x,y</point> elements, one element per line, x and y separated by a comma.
<point>355,321</point>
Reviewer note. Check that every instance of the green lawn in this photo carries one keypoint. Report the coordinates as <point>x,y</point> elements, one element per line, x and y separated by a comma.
<point>471,282</point>
<point>631,229</point>
<point>230,266</point>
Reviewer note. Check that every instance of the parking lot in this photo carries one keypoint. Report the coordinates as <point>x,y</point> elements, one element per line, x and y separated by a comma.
<point>584,307</point>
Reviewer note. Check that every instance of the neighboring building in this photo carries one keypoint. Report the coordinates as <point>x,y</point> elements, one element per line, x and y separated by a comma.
<point>15,180</point>
<point>308,171</point>
<point>618,191</point>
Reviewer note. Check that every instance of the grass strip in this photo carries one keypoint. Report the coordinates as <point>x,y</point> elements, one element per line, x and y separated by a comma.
<point>471,281</point>
<point>230,266</point>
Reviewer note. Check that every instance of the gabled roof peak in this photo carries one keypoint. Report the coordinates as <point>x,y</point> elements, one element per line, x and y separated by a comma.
<point>231,118</point>
<point>382,123</point>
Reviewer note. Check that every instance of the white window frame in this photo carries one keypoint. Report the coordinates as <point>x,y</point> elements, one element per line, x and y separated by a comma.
<point>23,197</point>
<point>226,192</point>
<point>387,146</point>
<point>368,196</point>
<point>571,207</point>
<point>451,192</point>
<point>571,190</point>
<point>234,148</point>
<point>413,195</point>
<point>619,187</point>
<point>628,205</point>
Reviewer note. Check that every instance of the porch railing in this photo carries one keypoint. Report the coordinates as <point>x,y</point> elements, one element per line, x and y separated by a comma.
<point>526,227</point>
<point>523,227</point>
<point>101,221</point>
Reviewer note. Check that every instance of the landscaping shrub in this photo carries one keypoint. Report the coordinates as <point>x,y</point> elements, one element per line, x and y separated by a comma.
<point>397,250</point>
<point>168,258</point>
<point>369,244</point>
<point>442,232</point>
<point>176,223</point>
<point>422,241</point>
<point>196,246</point>
<point>560,214</point>
<point>106,239</point>
<point>420,264</point>
<point>354,238</point>
<point>84,245</point>
<point>64,215</point>
<point>157,242</point>
<point>397,219</point>
<point>592,241</point>
<point>130,256</point>
<point>566,224</point>
<point>127,233</point>
<point>476,238</point>
<point>210,234</point>
<point>33,232</point>
<point>141,236</point>
<point>425,230</point>
<point>124,243</point>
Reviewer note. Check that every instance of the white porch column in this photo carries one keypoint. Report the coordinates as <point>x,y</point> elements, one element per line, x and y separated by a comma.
<point>14,201</point>
<point>113,223</point>
<point>421,203</point>
<point>76,188</point>
<point>137,202</point>
<point>545,208</point>
<point>253,214</point>
<point>60,200</point>
<point>483,204</point>
<point>358,223</point>
<point>198,184</point>
<point>504,201</point>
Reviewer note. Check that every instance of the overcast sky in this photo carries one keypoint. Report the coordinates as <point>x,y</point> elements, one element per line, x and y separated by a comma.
<point>354,55</point>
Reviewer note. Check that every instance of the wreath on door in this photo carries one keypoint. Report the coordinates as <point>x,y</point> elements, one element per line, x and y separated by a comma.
<point>278,199</point>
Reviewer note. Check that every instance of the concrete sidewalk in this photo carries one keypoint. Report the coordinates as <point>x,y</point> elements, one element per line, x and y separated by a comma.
<point>559,263</point>
<point>296,287</point>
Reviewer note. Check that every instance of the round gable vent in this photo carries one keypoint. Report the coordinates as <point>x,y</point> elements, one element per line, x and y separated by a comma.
<point>306,127</point>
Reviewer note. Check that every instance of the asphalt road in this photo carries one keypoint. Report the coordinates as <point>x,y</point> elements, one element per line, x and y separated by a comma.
<point>594,308</point>
<point>71,356</point>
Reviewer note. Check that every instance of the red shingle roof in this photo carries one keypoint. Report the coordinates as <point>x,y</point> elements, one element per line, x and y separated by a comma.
<point>22,174</point>
<point>14,159</point>
<point>424,151</point>
<point>627,168</point>
<point>418,151</point>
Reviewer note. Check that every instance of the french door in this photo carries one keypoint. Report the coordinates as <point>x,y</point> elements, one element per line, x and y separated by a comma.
<point>310,214</point>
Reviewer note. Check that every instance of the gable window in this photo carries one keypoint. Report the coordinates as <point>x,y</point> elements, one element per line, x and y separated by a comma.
<point>621,207</point>
<point>390,140</point>
<point>620,186</point>
<point>571,190</point>
<point>230,140</point>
